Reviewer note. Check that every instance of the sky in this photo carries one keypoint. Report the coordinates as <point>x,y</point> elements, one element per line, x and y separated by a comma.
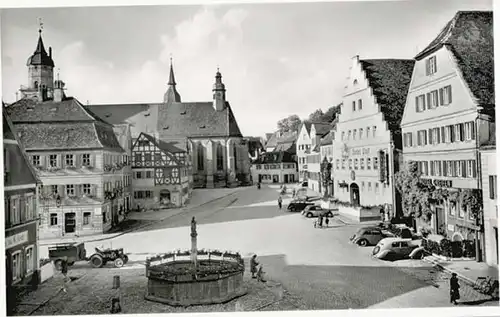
<point>276,59</point>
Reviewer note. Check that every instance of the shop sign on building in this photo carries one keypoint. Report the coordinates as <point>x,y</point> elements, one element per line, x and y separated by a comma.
<point>15,240</point>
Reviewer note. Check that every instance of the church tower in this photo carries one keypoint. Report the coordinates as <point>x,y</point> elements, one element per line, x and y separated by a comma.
<point>171,95</point>
<point>40,72</point>
<point>219,92</point>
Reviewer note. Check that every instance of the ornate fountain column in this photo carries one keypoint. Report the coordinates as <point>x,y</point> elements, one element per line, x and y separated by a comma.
<point>194,246</point>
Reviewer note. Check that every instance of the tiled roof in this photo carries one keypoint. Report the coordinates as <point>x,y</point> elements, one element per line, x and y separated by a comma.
<point>274,158</point>
<point>389,80</point>
<point>469,35</point>
<point>49,136</point>
<point>20,170</point>
<point>308,126</point>
<point>287,137</point>
<point>196,119</point>
<point>327,139</point>
<point>322,128</point>
<point>68,110</point>
<point>287,147</point>
<point>119,113</point>
<point>167,147</point>
<point>272,141</point>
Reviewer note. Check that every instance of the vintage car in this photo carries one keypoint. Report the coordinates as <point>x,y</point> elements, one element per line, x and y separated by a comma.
<point>298,205</point>
<point>395,248</point>
<point>315,211</point>
<point>370,236</point>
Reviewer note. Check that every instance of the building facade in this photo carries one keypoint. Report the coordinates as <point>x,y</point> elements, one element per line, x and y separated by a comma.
<point>76,155</point>
<point>368,134</point>
<point>161,174</point>
<point>208,130</point>
<point>275,167</point>
<point>490,203</point>
<point>313,160</point>
<point>304,146</point>
<point>449,114</point>
<point>21,214</point>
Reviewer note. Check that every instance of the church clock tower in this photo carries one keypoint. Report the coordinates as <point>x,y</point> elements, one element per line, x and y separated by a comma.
<point>219,92</point>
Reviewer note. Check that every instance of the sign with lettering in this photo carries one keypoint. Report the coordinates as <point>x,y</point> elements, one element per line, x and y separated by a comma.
<point>451,227</point>
<point>17,239</point>
<point>438,182</point>
<point>360,151</point>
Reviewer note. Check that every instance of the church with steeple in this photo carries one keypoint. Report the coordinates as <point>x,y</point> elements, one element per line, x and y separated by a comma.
<point>207,131</point>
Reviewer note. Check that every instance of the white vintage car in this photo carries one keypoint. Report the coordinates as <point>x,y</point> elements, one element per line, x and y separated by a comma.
<point>395,248</point>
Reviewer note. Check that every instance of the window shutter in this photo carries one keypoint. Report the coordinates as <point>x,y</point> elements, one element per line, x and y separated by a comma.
<point>427,67</point>
<point>452,133</point>
<point>430,136</point>
<point>462,132</point>
<point>443,136</point>
<point>445,168</point>
<point>432,168</point>
<point>438,135</point>
<point>428,95</point>
<point>418,138</point>
<point>449,94</point>
<point>474,169</point>
<point>473,130</point>
<point>441,96</point>
<point>464,168</point>
<point>492,187</point>
<point>405,140</point>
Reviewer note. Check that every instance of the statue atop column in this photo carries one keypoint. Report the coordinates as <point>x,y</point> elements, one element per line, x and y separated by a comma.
<point>193,227</point>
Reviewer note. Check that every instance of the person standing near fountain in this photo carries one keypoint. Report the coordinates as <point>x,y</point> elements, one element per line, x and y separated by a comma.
<point>253,265</point>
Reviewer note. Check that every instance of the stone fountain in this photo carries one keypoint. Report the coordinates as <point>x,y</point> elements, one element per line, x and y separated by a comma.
<point>195,277</point>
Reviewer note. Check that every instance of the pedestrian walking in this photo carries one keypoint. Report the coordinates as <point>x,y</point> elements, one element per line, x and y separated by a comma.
<point>320,217</point>
<point>64,271</point>
<point>280,202</point>
<point>253,265</point>
<point>454,289</point>
<point>293,192</point>
<point>327,221</point>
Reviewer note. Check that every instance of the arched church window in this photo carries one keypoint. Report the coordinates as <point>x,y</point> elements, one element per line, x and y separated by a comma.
<point>201,159</point>
<point>235,157</point>
<point>220,158</point>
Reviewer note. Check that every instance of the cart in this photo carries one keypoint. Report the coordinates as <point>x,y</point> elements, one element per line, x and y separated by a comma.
<point>73,251</point>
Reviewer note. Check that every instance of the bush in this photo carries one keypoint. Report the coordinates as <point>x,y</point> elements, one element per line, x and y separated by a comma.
<point>469,248</point>
<point>431,246</point>
<point>445,246</point>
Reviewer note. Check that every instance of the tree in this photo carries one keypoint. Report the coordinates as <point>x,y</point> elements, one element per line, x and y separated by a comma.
<point>316,116</point>
<point>331,113</point>
<point>289,124</point>
<point>416,194</point>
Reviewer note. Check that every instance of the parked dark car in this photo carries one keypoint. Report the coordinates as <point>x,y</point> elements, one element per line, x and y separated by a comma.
<point>298,205</point>
<point>369,236</point>
<point>305,184</point>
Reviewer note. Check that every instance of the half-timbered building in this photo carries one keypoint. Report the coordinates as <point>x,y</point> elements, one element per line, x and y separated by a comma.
<point>162,174</point>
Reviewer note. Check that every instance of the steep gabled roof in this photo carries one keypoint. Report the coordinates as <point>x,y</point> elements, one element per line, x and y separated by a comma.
<point>290,147</point>
<point>119,113</point>
<point>40,56</point>
<point>327,139</point>
<point>20,171</point>
<point>389,80</point>
<point>274,157</point>
<point>322,128</point>
<point>469,36</point>
<point>69,110</point>
<point>67,124</point>
<point>196,119</point>
<point>164,146</point>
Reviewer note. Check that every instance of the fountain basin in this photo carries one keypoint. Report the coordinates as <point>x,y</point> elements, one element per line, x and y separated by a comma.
<point>177,283</point>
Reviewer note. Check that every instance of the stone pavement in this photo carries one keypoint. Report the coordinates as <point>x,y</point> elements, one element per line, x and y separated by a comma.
<point>199,198</point>
<point>467,270</point>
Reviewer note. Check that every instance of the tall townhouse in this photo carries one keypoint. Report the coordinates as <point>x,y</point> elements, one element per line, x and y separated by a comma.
<point>326,157</point>
<point>75,154</point>
<point>490,200</point>
<point>368,142</point>
<point>313,157</point>
<point>449,114</point>
<point>21,215</point>
<point>303,148</point>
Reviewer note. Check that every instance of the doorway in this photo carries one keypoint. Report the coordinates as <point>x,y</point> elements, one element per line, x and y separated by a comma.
<point>440,219</point>
<point>165,196</point>
<point>354,194</point>
<point>69,222</point>
<point>276,178</point>
<point>286,178</point>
